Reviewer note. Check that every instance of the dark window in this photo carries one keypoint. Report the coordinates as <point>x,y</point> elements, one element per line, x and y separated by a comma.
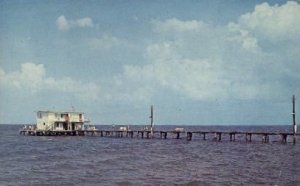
<point>39,115</point>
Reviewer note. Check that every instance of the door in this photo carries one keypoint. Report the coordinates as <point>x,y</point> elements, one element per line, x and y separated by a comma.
<point>65,125</point>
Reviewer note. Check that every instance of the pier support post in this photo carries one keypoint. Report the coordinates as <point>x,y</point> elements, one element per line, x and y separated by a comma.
<point>130,133</point>
<point>219,136</point>
<point>265,138</point>
<point>189,136</point>
<point>142,134</point>
<point>230,134</point>
<point>148,134</point>
<point>248,137</point>
<point>177,135</point>
<point>163,135</point>
<point>283,138</point>
<point>294,140</point>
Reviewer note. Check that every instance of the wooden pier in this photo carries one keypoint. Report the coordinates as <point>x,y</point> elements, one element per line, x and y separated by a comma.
<point>146,134</point>
<point>265,136</point>
<point>178,133</point>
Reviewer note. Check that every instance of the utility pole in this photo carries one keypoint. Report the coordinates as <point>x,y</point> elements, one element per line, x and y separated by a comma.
<point>151,119</point>
<point>294,120</point>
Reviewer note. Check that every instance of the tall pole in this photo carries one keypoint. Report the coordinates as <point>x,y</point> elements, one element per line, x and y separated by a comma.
<point>151,118</point>
<point>294,120</point>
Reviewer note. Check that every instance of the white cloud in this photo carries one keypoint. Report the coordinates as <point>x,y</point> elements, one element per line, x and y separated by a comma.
<point>273,22</point>
<point>239,35</point>
<point>78,88</point>
<point>199,79</point>
<point>203,61</point>
<point>64,24</point>
<point>32,78</point>
<point>198,60</point>
<point>84,22</point>
<point>177,25</point>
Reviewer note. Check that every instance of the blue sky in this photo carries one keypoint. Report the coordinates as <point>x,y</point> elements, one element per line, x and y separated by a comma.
<point>198,62</point>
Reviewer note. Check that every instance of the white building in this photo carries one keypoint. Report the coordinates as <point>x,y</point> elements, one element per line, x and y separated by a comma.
<point>52,120</point>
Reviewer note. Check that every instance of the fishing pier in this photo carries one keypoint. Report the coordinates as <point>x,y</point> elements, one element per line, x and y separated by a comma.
<point>146,134</point>
<point>71,124</point>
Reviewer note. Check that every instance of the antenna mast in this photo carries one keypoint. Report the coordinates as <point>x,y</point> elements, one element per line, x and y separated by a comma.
<point>152,123</point>
<point>294,120</point>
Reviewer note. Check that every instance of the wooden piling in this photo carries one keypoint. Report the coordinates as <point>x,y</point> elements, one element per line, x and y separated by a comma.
<point>142,133</point>
<point>163,134</point>
<point>149,133</point>
<point>177,135</point>
<point>248,137</point>
<point>130,134</point>
<point>219,136</point>
<point>189,136</point>
<point>265,138</point>
<point>232,136</point>
<point>283,138</point>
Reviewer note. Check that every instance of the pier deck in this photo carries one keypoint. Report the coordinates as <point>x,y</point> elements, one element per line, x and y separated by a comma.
<point>188,135</point>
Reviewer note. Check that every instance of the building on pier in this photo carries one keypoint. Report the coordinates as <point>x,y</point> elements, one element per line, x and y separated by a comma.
<point>60,121</point>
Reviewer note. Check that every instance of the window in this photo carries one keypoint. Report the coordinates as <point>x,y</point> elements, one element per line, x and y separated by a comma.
<point>39,115</point>
<point>63,115</point>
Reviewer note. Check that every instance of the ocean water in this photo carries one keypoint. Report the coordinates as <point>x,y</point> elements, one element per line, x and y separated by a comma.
<point>95,160</point>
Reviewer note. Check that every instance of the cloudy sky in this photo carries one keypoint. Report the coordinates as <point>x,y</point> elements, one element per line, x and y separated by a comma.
<point>198,62</point>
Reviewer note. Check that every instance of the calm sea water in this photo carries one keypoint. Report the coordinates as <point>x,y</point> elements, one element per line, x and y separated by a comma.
<point>74,160</point>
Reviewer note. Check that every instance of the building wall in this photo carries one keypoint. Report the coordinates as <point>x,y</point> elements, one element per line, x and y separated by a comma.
<point>48,120</point>
<point>43,122</point>
<point>75,117</point>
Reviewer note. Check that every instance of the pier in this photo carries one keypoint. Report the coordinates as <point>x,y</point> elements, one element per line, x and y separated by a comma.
<point>71,124</point>
<point>188,135</point>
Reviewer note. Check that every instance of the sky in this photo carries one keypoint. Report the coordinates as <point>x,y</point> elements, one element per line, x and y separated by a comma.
<point>197,62</point>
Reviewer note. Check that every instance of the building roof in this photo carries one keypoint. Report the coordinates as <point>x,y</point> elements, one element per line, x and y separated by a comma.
<point>60,112</point>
